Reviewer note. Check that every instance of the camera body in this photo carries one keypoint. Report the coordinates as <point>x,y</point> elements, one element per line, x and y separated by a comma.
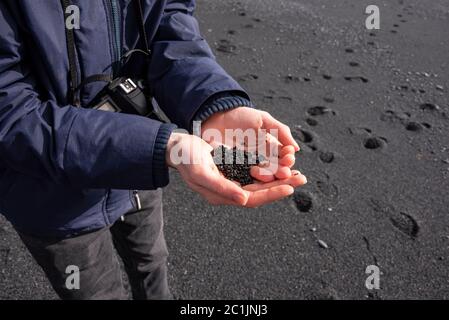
<point>127,96</point>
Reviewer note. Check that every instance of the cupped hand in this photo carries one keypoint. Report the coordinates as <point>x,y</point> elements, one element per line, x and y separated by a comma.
<point>191,156</point>
<point>248,128</point>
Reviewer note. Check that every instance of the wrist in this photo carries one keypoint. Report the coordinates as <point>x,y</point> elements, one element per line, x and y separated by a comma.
<point>173,143</point>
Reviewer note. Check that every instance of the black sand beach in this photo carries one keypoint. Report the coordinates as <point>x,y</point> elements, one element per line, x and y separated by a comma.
<point>371,112</point>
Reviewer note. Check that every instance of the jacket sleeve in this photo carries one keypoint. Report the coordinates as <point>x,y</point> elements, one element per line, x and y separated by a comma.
<point>82,147</point>
<point>183,71</point>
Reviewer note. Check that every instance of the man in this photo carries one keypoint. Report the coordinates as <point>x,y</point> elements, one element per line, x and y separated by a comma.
<point>69,173</point>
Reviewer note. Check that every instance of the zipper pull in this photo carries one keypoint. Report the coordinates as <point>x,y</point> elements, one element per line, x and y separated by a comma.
<point>137,199</point>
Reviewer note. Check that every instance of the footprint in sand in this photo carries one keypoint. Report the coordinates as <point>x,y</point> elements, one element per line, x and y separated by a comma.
<point>394,116</point>
<point>323,190</point>
<point>354,64</point>
<point>226,46</point>
<point>356,78</point>
<point>306,139</point>
<point>319,111</point>
<point>326,156</point>
<point>291,79</point>
<point>414,126</point>
<point>327,188</point>
<point>248,77</point>
<point>359,131</point>
<point>373,143</point>
<point>304,200</point>
<point>303,135</point>
<point>429,107</point>
<point>311,122</point>
<point>370,141</point>
<point>406,224</point>
<point>326,76</point>
<point>401,221</point>
<point>403,118</point>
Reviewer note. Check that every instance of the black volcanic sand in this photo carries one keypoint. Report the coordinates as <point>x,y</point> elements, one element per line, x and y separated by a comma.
<point>236,164</point>
<point>370,110</point>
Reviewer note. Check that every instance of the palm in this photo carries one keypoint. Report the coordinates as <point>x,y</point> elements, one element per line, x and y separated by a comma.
<point>192,157</point>
<point>254,128</point>
<point>239,118</point>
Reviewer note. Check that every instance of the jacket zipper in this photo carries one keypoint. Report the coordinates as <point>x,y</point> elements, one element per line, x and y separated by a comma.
<point>116,33</point>
<point>114,12</point>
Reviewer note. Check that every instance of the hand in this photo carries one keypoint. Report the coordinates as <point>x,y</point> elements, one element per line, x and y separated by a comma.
<point>191,156</point>
<point>279,150</point>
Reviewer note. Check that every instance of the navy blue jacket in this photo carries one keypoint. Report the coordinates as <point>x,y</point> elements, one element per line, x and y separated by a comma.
<point>66,170</point>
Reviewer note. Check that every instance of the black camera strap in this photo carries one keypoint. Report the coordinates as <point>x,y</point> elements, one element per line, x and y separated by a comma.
<point>143,32</point>
<point>73,96</point>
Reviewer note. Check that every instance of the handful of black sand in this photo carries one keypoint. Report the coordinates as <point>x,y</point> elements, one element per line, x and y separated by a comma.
<point>236,164</point>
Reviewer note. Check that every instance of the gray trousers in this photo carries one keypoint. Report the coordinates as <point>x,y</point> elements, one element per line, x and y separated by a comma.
<point>139,240</point>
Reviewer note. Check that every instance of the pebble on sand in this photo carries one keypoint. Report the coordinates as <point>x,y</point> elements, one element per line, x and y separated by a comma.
<point>323,244</point>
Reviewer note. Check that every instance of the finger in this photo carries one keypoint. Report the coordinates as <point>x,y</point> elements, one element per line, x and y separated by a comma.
<point>283,173</point>
<point>265,145</point>
<point>273,147</point>
<point>287,150</point>
<point>297,179</point>
<point>270,166</point>
<point>216,183</point>
<point>287,161</point>
<point>276,150</point>
<point>284,133</point>
<point>262,174</point>
<point>261,197</point>
<point>211,197</point>
<point>267,169</point>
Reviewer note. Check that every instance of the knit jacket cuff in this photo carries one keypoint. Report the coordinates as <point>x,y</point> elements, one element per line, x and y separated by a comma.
<point>221,102</point>
<point>160,168</point>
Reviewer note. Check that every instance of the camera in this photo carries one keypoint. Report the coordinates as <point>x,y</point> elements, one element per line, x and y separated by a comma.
<point>129,96</point>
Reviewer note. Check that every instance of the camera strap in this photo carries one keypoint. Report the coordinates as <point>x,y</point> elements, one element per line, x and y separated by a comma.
<point>73,96</point>
<point>143,32</point>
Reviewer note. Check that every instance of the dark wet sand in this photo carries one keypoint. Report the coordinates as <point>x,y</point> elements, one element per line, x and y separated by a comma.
<point>371,112</point>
